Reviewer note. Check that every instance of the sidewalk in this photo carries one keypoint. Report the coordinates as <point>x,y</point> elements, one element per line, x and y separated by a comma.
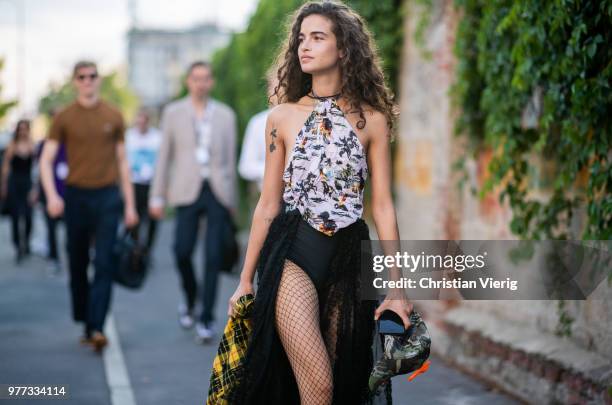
<point>39,341</point>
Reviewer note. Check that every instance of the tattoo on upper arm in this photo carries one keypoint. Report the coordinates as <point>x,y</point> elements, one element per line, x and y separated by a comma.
<point>273,136</point>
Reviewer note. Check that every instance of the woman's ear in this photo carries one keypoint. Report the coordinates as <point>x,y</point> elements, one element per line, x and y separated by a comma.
<point>342,53</point>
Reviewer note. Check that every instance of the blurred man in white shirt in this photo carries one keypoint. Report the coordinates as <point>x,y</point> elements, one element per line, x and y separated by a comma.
<point>253,154</point>
<point>142,143</point>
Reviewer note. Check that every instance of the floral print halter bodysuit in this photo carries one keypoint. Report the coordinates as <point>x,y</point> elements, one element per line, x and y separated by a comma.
<point>327,170</point>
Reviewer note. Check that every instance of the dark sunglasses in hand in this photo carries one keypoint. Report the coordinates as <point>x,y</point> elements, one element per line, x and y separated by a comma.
<point>92,76</point>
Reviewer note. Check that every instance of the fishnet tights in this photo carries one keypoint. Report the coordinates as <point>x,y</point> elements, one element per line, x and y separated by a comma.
<point>297,323</point>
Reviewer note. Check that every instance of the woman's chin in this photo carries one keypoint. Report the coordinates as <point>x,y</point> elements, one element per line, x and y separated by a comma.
<point>308,69</point>
<point>314,68</point>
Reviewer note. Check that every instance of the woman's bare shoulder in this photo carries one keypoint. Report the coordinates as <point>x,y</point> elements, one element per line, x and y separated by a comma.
<point>10,148</point>
<point>279,110</point>
<point>291,107</point>
<point>375,121</point>
<point>286,114</point>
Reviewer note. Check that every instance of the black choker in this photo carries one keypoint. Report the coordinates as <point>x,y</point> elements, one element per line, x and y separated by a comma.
<point>313,95</point>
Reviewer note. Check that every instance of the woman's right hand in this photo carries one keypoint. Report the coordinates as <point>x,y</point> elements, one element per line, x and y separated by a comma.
<point>243,288</point>
<point>55,206</point>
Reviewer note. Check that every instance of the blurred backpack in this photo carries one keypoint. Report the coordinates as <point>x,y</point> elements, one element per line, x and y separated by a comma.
<point>231,252</point>
<point>5,210</point>
<point>131,260</point>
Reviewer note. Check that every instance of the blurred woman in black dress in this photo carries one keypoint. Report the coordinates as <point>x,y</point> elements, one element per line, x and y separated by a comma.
<point>17,190</point>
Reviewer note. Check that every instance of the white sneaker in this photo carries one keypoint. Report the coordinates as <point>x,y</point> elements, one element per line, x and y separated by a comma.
<point>204,333</point>
<point>185,317</point>
<point>54,267</point>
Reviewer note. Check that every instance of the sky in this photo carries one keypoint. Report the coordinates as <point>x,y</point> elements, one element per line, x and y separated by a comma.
<point>59,32</point>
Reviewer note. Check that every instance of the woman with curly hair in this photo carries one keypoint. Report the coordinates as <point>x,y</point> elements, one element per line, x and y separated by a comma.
<point>312,335</point>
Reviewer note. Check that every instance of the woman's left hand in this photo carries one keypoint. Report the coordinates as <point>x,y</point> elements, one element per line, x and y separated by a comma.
<point>397,302</point>
<point>33,197</point>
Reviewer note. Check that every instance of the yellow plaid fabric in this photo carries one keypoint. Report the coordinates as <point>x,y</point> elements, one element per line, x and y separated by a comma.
<point>231,352</point>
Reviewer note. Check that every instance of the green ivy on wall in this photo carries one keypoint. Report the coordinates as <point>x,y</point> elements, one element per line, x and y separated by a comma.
<point>533,79</point>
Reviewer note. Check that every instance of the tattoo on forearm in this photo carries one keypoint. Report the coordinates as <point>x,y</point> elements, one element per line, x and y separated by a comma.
<point>273,136</point>
<point>269,220</point>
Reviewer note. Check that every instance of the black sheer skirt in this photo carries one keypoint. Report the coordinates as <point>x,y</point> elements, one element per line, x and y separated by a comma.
<point>266,376</point>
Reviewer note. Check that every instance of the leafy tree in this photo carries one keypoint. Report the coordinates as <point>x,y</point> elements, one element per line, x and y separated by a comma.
<point>5,106</point>
<point>112,89</point>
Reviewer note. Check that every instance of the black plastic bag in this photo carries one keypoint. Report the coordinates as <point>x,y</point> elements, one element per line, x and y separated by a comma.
<point>131,259</point>
<point>231,252</point>
<point>5,209</point>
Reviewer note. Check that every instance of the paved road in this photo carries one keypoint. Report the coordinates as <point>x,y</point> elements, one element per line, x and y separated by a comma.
<point>163,364</point>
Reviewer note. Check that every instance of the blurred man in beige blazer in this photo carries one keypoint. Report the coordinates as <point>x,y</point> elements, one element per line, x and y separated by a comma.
<point>196,172</point>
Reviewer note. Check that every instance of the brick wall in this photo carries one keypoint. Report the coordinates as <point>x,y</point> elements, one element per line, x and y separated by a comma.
<point>430,206</point>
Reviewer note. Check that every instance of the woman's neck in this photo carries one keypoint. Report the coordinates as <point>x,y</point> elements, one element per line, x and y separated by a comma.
<point>22,147</point>
<point>326,84</point>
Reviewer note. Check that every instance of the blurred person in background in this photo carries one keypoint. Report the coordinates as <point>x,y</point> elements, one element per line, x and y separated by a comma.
<point>142,144</point>
<point>252,155</point>
<point>17,189</point>
<point>93,134</point>
<point>60,172</point>
<point>199,140</point>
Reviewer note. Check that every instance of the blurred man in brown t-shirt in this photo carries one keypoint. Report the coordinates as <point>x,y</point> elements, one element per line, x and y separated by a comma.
<point>92,132</point>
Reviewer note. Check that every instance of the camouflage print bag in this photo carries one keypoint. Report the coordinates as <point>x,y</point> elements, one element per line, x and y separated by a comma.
<point>402,353</point>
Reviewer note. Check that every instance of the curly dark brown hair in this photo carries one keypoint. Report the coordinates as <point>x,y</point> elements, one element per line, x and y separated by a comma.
<point>363,80</point>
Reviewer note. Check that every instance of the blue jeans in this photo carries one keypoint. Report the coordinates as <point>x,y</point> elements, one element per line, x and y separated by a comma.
<point>91,215</point>
<point>186,234</point>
